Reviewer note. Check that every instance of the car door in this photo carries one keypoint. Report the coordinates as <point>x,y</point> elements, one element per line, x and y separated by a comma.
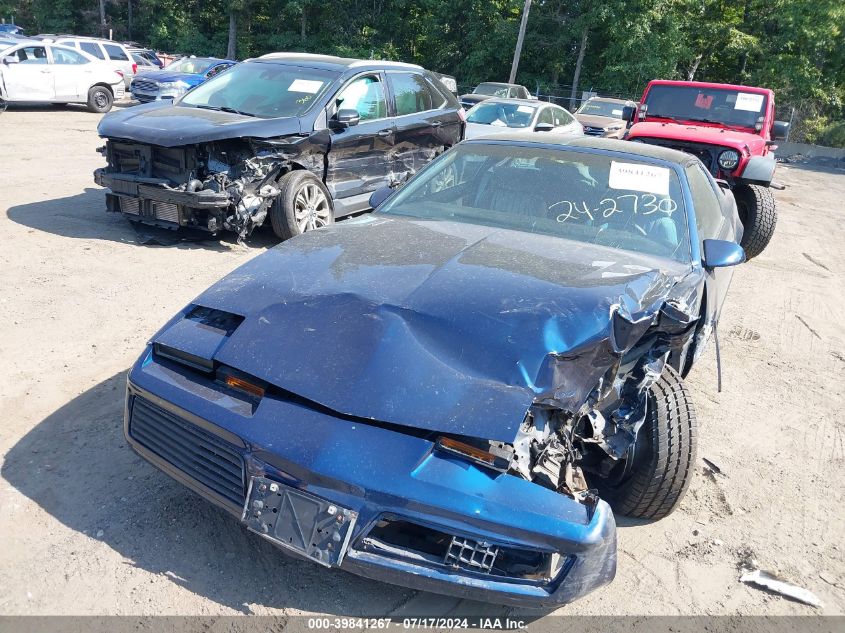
<point>72,73</point>
<point>31,77</point>
<point>359,157</point>
<point>564,122</point>
<point>424,122</point>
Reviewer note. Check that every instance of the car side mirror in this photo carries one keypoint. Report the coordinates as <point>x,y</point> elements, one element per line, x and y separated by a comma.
<point>722,253</point>
<point>779,130</point>
<point>628,113</point>
<point>11,59</point>
<point>380,195</point>
<point>345,118</point>
<point>544,127</point>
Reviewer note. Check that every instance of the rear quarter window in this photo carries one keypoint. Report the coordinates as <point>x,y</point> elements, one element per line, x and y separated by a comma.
<point>115,52</point>
<point>708,211</point>
<point>92,48</point>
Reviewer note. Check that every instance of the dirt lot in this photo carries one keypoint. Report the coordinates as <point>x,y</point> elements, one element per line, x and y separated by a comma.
<point>86,527</point>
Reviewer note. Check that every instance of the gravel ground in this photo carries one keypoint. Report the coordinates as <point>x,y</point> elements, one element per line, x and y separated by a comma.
<point>86,527</point>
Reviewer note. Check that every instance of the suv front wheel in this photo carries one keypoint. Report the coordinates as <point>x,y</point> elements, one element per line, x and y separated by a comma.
<point>758,214</point>
<point>303,204</point>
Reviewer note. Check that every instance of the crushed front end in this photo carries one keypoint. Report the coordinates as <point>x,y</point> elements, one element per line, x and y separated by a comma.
<point>223,185</point>
<point>376,500</point>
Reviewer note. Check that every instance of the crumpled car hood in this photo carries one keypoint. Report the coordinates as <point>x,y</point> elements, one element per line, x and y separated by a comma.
<point>441,326</point>
<point>167,125</point>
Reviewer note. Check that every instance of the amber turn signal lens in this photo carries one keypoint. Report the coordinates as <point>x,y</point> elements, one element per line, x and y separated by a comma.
<point>243,385</point>
<point>465,449</point>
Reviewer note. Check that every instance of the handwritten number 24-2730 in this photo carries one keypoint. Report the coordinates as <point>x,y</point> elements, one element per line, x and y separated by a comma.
<point>645,204</point>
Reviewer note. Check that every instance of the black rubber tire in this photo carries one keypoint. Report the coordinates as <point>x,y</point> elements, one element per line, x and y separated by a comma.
<point>282,210</point>
<point>758,212</point>
<point>665,454</point>
<point>100,99</point>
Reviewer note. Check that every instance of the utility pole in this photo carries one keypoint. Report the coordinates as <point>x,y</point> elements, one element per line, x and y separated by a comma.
<point>519,40</point>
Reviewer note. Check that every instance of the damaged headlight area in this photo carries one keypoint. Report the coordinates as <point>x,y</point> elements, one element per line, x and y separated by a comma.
<point>249,180</point>
<point>574,442</point>
<point>213,186</point>
<point>395,537</point>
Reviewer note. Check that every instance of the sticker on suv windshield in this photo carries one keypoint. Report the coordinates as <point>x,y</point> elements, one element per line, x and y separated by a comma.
<point>639,177</point>
<point>305,85</point>
<point>748,101</point>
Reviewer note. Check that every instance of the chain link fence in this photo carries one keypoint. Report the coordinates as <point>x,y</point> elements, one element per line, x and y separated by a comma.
<point>561,94</point>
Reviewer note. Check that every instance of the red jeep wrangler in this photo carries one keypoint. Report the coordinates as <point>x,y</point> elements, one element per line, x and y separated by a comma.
<point>731,129</point>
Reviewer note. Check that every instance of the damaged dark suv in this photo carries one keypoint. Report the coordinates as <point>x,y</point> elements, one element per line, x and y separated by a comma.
<point>452,392</point>
<point>302,138</point>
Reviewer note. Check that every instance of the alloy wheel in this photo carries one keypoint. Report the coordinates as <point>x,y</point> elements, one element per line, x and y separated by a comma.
<point>311,208</point>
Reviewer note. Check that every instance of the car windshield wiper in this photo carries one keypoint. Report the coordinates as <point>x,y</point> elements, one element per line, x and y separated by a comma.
<point>223,109</point>
<point>660,116</point>
<point>733,126</point>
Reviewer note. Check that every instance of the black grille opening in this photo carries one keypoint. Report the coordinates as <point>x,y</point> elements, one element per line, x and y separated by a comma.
<point>410,541</point>
<point>205,458</point>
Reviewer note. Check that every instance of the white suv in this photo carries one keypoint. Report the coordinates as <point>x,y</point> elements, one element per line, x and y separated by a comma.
<point>107,50</point>
<point>37,72</point>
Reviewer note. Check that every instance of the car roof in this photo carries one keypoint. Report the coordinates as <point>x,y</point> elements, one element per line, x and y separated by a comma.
<point>331,62</point>
<point>707,84</point>
<point>86,38</point>
<point>611,100</point>
<point>531,102</point>
<point>552,140</point>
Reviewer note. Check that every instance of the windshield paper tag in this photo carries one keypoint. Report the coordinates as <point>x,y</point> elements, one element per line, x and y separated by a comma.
<point>639,177</point>
<point>616,112</point>
<point>525,109</point>
<point>305,85</point>
<point>748,101</point>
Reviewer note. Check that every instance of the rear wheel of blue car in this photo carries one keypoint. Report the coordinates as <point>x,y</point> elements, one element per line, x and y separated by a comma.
<point>303,204</point>
<point>651,481</point>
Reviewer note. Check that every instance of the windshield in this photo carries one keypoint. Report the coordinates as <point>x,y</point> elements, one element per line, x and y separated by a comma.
<point>617,202</point>
<point>502,114</point>
<point>265,90</point>
<point>706,105</point>
<point>595,107</point>
<point>492,90</point>
<point>191,66</point>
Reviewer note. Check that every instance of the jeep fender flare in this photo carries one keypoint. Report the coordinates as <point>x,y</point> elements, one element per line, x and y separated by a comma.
<point>759,170</point>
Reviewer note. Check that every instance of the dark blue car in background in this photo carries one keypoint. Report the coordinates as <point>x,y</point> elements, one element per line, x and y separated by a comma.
<point>452,392</point>
<point>177,78</point>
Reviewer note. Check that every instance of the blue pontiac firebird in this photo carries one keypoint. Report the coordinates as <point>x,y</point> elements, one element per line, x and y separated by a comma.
<point>451,393</point>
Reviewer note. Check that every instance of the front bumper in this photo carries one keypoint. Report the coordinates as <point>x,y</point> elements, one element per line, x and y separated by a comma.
<point>148,200</point>
<point>149,97</point>
<point>377,473</point>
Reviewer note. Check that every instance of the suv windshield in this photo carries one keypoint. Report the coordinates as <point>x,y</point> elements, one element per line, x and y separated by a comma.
<point>601,108</point>
<point>733,108</point>
<point>599,199</point>
<point>265,90</point>
<point>491,90</point>
<point>191,66</point>
<point>502,114</point>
